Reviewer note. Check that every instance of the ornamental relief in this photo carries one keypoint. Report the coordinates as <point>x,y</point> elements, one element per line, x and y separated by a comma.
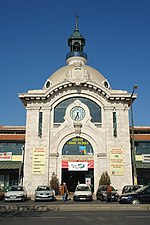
<point>77,75</point>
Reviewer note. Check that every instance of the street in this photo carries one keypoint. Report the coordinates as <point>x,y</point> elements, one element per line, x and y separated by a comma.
<point>73,218</point>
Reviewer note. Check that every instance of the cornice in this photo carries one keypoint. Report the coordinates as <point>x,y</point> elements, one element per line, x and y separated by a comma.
<point>108,94</point>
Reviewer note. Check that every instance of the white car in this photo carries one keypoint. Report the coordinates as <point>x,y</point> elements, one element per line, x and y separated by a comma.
<point>15,193</point>
<point>83,193</point>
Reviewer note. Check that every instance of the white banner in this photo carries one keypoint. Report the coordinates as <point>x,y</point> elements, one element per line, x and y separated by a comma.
<point>78,166</point>
<point>146,158</point>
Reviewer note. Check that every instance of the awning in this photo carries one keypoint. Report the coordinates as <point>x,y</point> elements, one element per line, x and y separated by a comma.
<point>142,165</point>
<point>10,165</point>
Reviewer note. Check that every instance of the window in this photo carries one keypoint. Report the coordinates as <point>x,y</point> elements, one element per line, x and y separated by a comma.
<point>77,146</point>
<point>114,124</point>
<point>142,147</point>
<point>40,124</point>
<point>60,109</point>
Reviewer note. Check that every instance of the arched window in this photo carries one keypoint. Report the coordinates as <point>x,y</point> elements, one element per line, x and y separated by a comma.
<point>95,110</point>
<point>77,146</point>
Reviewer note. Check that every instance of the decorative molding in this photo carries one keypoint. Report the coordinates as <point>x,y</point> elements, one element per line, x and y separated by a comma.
<point>77,127</point>
<point>78,75</point>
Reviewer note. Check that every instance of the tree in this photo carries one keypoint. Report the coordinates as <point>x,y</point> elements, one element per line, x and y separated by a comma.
<point>105,179</point>
<point>54,183</point>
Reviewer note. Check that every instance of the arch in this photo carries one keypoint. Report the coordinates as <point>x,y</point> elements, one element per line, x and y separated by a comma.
<point>60,108</point>
<point>77,146</point>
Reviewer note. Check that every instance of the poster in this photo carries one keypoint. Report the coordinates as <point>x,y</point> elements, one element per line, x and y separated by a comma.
<point>38,161</point>
<point>116,162</point>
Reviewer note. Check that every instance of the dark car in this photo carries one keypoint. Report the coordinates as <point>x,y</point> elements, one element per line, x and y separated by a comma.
<point>101,193</point>
<point>130,188</point>
<point>139,196</point>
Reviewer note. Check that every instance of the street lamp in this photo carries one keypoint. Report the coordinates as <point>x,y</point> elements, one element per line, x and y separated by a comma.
<point>134,174</point>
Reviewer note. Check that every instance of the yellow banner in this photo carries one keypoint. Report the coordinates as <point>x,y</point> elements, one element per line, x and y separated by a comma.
<point>116,162</point>
<point>38,161</point>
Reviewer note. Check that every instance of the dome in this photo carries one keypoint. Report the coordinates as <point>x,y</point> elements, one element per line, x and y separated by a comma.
<point>76,72</point>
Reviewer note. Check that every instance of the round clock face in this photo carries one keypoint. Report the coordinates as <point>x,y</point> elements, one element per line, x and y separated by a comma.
<point>77,113</point>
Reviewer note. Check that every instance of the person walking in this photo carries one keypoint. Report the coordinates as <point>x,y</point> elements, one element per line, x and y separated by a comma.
<point>64,191</point>
<point>109,193</point>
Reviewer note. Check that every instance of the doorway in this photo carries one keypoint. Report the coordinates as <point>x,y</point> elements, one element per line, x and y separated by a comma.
<point>72,178</point>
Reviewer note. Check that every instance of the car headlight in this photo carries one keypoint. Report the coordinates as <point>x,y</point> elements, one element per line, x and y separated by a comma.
<point>104,194</point>
<point>20,195</point>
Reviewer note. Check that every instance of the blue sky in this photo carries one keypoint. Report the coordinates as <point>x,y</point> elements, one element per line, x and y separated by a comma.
<point>33,45</point>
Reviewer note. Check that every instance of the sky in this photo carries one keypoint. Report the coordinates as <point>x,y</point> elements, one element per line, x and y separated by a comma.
<point>33,45</point>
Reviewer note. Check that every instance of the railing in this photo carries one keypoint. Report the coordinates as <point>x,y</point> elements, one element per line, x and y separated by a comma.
<point>80,54</point>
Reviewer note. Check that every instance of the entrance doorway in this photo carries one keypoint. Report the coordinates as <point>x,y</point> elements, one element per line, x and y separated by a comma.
<point>72,178</point>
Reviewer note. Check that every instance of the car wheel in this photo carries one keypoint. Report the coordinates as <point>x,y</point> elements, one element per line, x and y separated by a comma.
<point>135,201</point>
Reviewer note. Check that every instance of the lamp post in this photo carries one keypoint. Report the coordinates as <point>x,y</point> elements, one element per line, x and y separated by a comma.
<point>134,174</point>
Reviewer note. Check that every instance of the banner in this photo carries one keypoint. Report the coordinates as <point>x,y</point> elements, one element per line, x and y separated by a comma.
<point>38,161</point>
<point>116,162</point>
<point>79,165</point>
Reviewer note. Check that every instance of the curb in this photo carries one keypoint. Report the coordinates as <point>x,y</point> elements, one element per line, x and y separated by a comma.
<point>72,207</point>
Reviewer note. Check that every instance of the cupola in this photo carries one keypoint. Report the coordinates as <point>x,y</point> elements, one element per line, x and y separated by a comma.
<point>76,43</point>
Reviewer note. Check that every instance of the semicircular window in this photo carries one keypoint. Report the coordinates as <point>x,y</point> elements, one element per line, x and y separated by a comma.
<point>95,110</point>
<point>77,146</point>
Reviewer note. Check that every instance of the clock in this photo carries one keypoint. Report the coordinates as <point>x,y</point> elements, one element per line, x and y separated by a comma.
<point>77,113</point>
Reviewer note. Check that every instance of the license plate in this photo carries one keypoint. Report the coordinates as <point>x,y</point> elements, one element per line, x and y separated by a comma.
<point>82,198</point>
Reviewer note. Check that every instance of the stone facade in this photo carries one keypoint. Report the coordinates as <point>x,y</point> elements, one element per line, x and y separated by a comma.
<point>77,80</point>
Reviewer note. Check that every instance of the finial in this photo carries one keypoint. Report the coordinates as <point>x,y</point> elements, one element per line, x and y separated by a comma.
<point>77,17</point>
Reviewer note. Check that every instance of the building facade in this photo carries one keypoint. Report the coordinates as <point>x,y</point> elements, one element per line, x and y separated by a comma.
<point>142,154</point>
<point>77,126</point>
<point>12,141</point>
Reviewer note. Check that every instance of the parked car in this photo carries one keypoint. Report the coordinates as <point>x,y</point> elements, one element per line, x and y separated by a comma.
<point>139,196</point>
<point>1,193</point>
<point>83,192</point>
<point>101,193</point>
<point>15,193</point>
<point>130,188</point>
<point>44,193</point>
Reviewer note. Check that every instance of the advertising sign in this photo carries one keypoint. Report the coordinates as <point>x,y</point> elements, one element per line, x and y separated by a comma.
<point>146,158</point>
<point>116,162</point>
<point>78,166</point>
<point>38,161</point>
<point>5,156</point>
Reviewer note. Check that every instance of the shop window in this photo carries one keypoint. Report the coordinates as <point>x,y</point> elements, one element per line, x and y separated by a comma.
<point>142,147</point>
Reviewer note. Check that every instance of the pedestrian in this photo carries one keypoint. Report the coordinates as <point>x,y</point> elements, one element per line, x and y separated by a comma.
<point>64,191</point>
<point>109,193</point>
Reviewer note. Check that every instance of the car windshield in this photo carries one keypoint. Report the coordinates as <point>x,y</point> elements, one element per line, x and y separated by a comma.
<point>141,189</point>
<point>17,188</point>
<point>83,188</point>
<point>44,188</point>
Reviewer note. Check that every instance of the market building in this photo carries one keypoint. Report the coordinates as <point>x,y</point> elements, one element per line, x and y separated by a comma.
<point>77,126</point>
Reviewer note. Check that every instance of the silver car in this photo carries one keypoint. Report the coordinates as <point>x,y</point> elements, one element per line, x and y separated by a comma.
<point>15,193</point>
<point>44,193</point>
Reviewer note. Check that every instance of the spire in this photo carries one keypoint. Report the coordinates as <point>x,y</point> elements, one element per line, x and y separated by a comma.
<point>76,43</point>
<point>76,18</point>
